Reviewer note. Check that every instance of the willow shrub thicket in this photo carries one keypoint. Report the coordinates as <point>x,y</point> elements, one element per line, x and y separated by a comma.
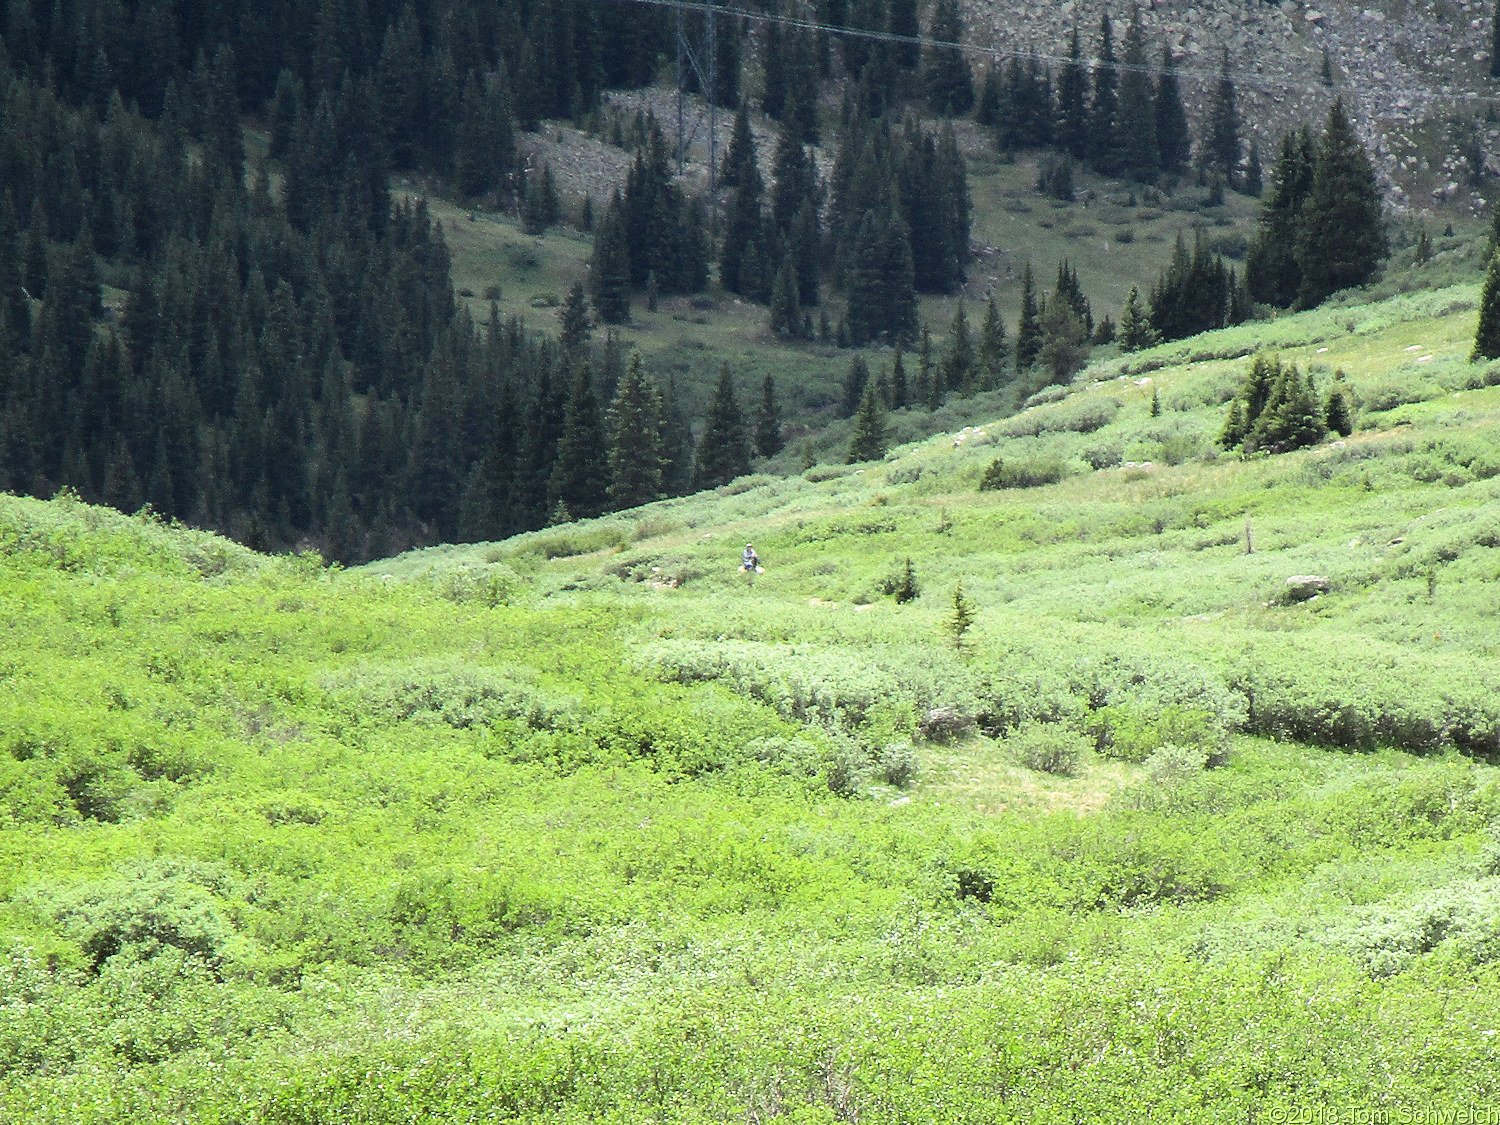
<point>576,827</point>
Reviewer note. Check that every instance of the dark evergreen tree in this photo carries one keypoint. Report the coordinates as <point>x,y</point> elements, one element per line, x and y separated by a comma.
<point>906,54</point>
<point>768,439</point>
<point>1253,184</point>
<point>1221,139</point>
<point>1292,417</point>
<point>1136,331</point>
<point>742,262</point>
<point>786,309</point>
<point>540,207</point>
<point>882,292</point>
<point>869,440</point>
<point>609,271</point>
<point>1065,340</point>
<point>580,476</point>
<point>795,182</point>
<point>1173,140</point>
<point>959,373</point>
<point>724,449</point>
<point>741,150</point>
<point>994,349</point>
<point>1139,150</point>
<point>946,77</point>
<point>637,455</point>
<point>773,63</point>
<point>1341,236</point>
<point>1070,290</point>
<point>35,262</point>
<point>856,379</point>
<point>573,327</point>
<point>806,245</point>
<point>1072,102</point>
<point>1103,141</point>
<point>1338,416</point>
<point>988,108</point>
<point>1495,44</point>
<point>1029,327</point>
<point>1271,268</point>
<point>1194,293</point>
<point>1487,335</point>
<point>901,396</point>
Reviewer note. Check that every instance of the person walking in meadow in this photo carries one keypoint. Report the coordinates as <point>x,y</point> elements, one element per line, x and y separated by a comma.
<point>750,564</point>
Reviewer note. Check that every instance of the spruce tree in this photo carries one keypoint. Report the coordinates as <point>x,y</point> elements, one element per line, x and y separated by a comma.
<point>903,22</point>
<point>774,78</point>
<point>573,328</point>
<point>1103,144</point>
<point>724,449</point>
<point>637,454</point>
<point>1173,140</point>
<point>1139,150</point>
<point>856,379</point>
<point>1029,327</point>
<point>868,442</point>
<point>994,349</point>
<point>988,108</point>
<point>946,77</point>
<point>1341,236</point>
<point>742,265</point>
<point>1487,335</point>
<point>1065,342</point>
<point>580,477</point>
<point>1495,44</point>
<point>1221,141</point>
<point>900,387</point>
<point>768,439</point>
<point>958,363</point>
<point>1254,184</point>
<point>786,309</point>
<point>609,271</point>
<point>741,150</point>
<point>1136,331</point>
<point>1072,102</point>
<point>882,292</point>
<point>1271,269</point>
<point>1337,414</point>
<point>795,180</point>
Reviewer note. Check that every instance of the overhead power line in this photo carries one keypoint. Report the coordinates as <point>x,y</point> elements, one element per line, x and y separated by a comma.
<point>1242,78</point>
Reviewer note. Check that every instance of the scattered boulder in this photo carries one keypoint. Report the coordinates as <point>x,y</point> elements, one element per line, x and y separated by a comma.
<point>1304,587</point>
<point>943,724</point>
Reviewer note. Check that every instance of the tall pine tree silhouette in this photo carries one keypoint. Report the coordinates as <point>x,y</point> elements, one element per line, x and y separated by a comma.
<point>1104,107</point>
<point>1139,151</point>
<point>868,442</point>
<point>637,456</point>
<point>580,477</point>
<point>1341,236</point>
<point>1173,139</point>
<point>724,449</point>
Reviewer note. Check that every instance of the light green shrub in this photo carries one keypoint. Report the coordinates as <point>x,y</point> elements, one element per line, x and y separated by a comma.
<point>449,692</point>
<point>1048,747</point>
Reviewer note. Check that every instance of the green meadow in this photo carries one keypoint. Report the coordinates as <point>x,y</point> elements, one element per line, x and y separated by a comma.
<point>581,826</point>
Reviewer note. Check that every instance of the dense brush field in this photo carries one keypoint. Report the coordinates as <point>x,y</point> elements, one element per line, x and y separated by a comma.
<point>579,827</point>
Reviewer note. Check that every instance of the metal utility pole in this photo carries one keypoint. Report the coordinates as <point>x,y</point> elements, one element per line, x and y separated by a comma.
<point>707,75</point>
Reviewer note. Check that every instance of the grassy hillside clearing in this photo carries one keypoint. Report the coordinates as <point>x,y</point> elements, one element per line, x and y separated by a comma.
<point>577,827</point>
